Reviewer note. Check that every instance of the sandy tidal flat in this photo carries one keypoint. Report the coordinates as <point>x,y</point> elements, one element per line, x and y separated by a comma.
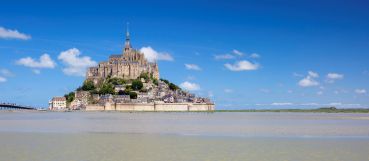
<point>96,136</point>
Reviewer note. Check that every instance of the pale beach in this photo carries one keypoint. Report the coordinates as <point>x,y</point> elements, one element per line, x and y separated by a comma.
<point>240,136</point>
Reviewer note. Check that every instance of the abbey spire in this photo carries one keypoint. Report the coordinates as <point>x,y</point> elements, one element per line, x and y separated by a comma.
<point>127,45</point>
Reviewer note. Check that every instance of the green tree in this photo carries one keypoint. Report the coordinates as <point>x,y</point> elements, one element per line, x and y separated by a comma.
<point>136,85</point>
<point>173,87</point>
<point>128,88</point>
<point>69,97</point>
<point>144,90</point>
<point>155,81</point>
<point>133,95</point>
<point>121,92</point>
<point>94,91</point>
<point>88,85</point>
<point>107,88</point>
<point>116,81</point>
<point>145,76</point>
<point>165,81</point>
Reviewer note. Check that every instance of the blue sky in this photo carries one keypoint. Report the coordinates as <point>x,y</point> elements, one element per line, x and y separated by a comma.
<point>242,54</point>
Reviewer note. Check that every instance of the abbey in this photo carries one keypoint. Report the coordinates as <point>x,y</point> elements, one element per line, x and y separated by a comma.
<point>139,87</point>
<point>128,65</point>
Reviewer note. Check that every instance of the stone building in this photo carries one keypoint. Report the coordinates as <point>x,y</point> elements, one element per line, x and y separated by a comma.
<point>80,100</point>
<point>122,99</point>
<point>108,98</point>
<point>58,103</point>
<point>128,65</point>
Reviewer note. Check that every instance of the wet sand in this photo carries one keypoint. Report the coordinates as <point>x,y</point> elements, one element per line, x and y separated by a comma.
<point>114,136</point>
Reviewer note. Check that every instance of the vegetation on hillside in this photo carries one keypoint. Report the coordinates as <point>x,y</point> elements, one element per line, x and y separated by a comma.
<point>132,95</point>
<point>131,86</point>
<point>87,86</point>
<point>117,81</point>
<point>172,86</point>
<point>69,97</point>
<point>106,88</point>
<point>136,85</point>
<point>165,81</point>
<point>145,76</point>
<point>155,81</point>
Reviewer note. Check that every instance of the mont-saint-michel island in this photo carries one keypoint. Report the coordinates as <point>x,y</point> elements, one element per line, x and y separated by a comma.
<point>194,80</point>
<point>128,82</point>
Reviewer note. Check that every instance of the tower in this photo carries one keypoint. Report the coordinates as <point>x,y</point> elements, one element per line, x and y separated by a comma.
<point>127,45</point>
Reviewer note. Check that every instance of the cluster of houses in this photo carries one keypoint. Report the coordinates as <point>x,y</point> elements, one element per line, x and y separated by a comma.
<point>149,94</point>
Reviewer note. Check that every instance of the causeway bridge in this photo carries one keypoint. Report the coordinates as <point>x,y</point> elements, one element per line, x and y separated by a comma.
<point>13,106</point>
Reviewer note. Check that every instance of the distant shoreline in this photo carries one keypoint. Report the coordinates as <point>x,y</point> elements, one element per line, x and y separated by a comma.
<point>318,110</point>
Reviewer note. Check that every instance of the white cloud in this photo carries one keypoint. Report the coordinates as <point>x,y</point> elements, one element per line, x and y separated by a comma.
<point>344,105</point>
<point>75,65</point>
<point>360,91</point>
<point>281,104</point>
<point>228,90</point>
<point>313,74</point>
<point>339,91</point>
<point>242,66</point>
<point>236,52</point>
<point>151,55</point>
<point>310,104</point>
<point>192,67</point>
<point>254,55</point>
<point>44,62</point>
<point>309,80</point>
<point>319,93</point>
<point>190,86</point>
<point>12,34</point>
<point>335,104</point>
<point>6,73</point>
<point>297,75</point>
<point>225,56</point>
<point>332,77</point>
<point>2,79</point>
<point>36,71</point>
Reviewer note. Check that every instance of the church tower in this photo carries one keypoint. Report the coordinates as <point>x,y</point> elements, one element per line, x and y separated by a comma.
<point>128,65</point>
<point>127,45</point>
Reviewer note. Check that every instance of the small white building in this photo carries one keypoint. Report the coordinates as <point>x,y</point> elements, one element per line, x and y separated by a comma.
<point>58,103</point>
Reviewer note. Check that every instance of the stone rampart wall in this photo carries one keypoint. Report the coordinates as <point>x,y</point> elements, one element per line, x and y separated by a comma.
<point>135,107</point>
<point>152,107</point>
<point>95,108</point>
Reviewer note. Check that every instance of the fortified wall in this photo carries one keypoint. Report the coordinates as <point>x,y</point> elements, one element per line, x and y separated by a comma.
<point>152,107</point>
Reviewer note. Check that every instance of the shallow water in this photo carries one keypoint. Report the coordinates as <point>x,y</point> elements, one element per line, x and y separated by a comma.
<point>95,136</point>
